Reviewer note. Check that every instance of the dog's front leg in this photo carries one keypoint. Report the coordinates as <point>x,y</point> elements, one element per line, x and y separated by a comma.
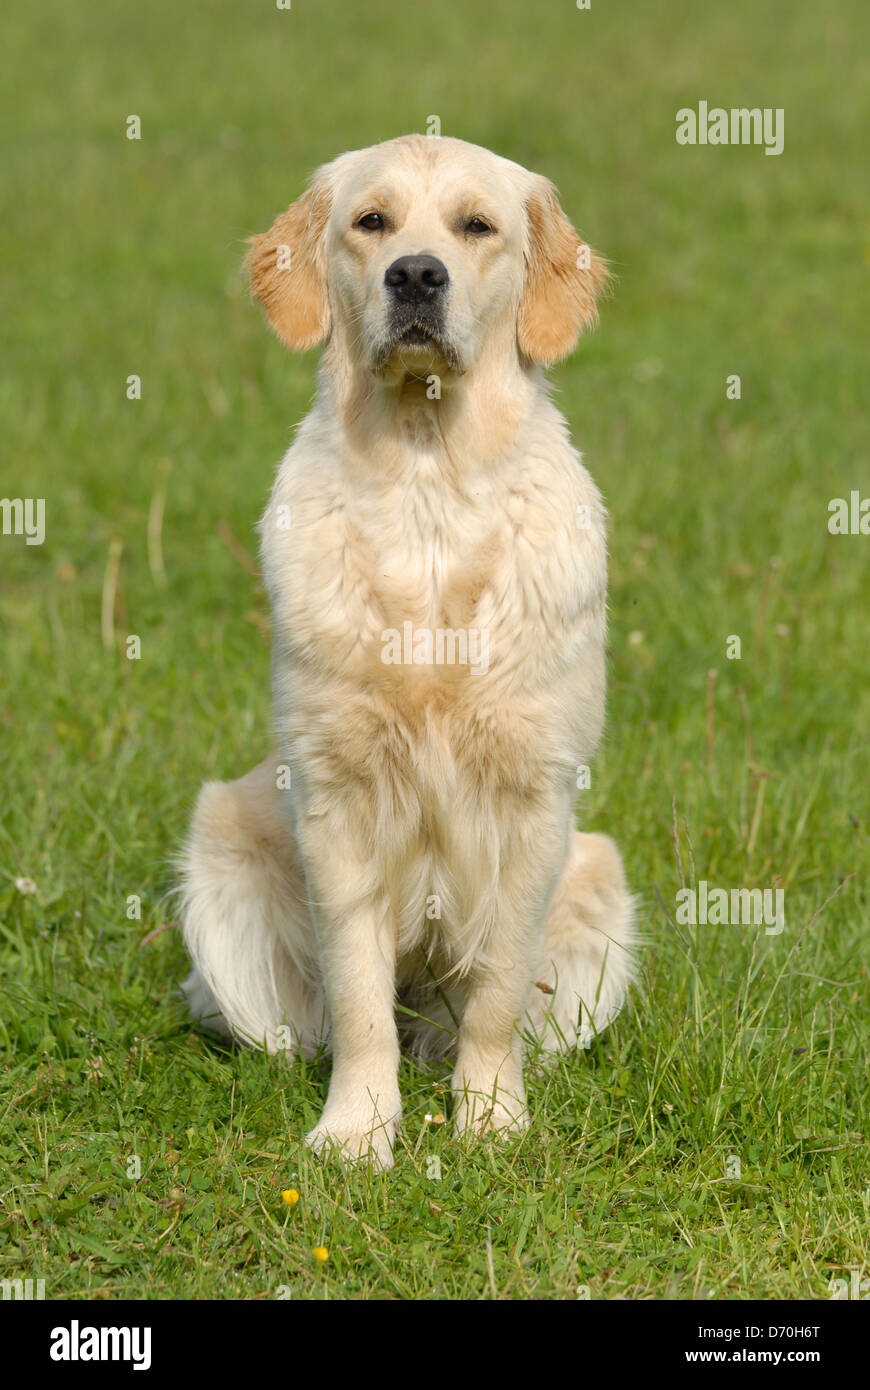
<point>357,952</point>
<point>488,1088</point>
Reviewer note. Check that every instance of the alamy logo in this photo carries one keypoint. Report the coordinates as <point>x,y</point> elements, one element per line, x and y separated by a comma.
<point>741,907</point>
<point>76,1343</point>
<point>740,126</point>
<point>849,518</point>
<point>24,1289</point>
<point>23,516</point>
<point>436,647</point>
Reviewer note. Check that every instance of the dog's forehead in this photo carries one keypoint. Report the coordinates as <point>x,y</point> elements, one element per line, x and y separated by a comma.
<point>421,166</point>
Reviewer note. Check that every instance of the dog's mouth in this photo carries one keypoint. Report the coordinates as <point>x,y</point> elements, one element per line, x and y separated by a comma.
<point>418,336</point>
<point>417,342</point>
<point>420,330</point>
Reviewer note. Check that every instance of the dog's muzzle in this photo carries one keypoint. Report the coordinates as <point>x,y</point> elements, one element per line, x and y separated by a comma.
<point>417,288</point>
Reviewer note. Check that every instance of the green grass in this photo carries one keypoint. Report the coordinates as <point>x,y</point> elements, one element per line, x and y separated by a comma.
<point>123,257</point>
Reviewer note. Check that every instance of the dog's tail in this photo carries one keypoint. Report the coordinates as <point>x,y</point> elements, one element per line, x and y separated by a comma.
<point>246,920</point>
<point>588,959</point>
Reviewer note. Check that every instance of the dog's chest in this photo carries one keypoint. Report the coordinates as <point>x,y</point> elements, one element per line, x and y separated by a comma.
<point>434,557</point>
<point>428,603</point>
<point>399,589</point>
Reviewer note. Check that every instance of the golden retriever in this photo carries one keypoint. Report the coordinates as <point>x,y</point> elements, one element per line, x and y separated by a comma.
<point>435,557</point>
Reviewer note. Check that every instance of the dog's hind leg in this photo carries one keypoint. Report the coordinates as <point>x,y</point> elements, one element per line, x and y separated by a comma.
<point>586,961</point>
<point>247,925</point>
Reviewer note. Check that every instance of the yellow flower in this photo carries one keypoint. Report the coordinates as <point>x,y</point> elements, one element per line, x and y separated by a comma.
<point>290,1196</point>
<point>320,1253</point>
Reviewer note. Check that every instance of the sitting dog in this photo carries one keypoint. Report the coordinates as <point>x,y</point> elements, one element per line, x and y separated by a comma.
<point>434,553</point>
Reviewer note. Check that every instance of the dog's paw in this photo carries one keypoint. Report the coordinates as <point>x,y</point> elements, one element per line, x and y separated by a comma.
<point>348,1140</point>
<point>477,1114</point>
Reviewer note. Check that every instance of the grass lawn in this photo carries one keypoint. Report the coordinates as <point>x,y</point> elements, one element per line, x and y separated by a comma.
<point>714,1142</point>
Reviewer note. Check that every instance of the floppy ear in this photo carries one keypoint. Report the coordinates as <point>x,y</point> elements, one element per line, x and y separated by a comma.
<point>287,270</point>
<point>563,279</point>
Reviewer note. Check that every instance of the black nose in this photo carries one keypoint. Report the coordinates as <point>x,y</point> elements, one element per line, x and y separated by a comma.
<point>416,278</point>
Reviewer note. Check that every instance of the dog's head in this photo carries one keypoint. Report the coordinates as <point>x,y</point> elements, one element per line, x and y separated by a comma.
<point>422,253</point>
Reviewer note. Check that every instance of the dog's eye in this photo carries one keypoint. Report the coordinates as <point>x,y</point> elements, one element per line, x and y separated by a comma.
<point>477,227</point>
<point>371,222</point>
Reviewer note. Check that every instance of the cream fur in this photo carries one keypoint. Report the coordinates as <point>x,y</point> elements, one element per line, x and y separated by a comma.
<point>425,847</point>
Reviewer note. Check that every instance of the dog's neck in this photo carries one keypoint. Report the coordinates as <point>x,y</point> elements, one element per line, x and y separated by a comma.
<point>466,420</point>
